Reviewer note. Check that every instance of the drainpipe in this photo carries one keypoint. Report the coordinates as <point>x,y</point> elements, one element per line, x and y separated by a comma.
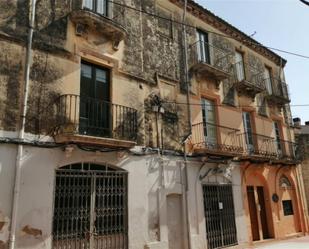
<point>186,196</point>
<point>186,67</point>
<point>187,83</point>
<point>21,135</point>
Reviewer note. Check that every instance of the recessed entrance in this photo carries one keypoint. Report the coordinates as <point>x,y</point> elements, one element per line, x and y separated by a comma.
<point>258,213</point>
<point>90,207</point>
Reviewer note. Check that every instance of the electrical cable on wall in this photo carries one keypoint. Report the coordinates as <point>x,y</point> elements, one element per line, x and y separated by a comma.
<point>254,43</point>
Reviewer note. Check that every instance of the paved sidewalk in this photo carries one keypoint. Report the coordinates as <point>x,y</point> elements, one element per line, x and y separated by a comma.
<point>295,243</point>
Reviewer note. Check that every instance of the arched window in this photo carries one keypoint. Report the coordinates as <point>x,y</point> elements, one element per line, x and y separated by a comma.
<point>284,182</point>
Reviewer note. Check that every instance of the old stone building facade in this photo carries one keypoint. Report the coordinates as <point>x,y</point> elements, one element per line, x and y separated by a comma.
<point>302,138</point>
<point>118,154</point>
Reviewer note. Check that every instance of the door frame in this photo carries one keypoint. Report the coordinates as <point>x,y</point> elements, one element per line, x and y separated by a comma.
<point>108,101</point>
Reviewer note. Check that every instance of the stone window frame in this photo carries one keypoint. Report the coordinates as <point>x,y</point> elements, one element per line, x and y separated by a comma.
<point>159,10</point>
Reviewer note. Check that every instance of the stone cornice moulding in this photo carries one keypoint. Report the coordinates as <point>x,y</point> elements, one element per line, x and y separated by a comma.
<point>228,29</point>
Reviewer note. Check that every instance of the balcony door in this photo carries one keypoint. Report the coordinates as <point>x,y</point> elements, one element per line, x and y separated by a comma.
<point>98,6</point>
<point>203,47</point>
<point>209,122</point>
<point>95,108</point>
<point>239,66</point>
<point>268,80</point>
<point>248,131</point>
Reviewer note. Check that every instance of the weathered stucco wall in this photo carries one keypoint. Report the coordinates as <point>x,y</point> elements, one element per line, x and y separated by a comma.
<point>7,174</point>
<point>151,180</point>
<point>10,84</point>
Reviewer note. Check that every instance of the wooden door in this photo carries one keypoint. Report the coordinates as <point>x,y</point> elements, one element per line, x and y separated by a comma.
<point>262,211</point>
<point>253,213</point>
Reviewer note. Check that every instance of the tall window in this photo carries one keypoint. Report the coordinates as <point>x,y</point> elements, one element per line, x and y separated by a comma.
<point>239,66</point>
<point>277,138</point>
<point>268,80</point>
<point>209,121</point>
<point>94,101</point>
<point>98,6</point>
<point>248,131</point>
<point>203,47</point>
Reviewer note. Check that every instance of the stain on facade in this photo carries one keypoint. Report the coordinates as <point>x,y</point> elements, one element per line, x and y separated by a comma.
<point>43,92</point>
<point>10,80</point>
<point>28,230</point>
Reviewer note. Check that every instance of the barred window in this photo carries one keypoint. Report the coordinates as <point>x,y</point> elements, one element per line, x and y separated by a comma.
<point>287,207</point>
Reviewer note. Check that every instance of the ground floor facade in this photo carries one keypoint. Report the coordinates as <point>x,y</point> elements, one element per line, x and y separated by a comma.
<point>75,198</point>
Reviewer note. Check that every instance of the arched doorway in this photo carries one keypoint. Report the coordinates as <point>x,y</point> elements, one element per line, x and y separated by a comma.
<point>90,207</point>
<point>259,208</point>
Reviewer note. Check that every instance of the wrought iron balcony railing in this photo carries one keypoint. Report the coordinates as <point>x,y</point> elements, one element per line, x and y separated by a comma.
<point>216,139</point>
<point>208,138</point>
<point>268,147</point>
<point>248,79</point>
<point>209,60</point>
<point>106,17</point>
<point>78,115</point>
<point>258,145</point>
<point>277,91</point>
<point>286,150</point>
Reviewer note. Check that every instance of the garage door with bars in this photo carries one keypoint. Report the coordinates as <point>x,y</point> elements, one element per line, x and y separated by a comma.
<point>90,208</point>
<point>219,216</point>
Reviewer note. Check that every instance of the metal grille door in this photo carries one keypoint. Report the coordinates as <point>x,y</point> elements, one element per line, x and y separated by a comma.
<point>219,216</point>
<point>90,208</point>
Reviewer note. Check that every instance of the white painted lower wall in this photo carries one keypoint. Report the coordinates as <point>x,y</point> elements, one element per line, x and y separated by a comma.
<point>151,179</point>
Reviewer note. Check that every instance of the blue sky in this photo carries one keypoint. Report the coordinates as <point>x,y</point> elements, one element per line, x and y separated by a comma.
<point>282,24</point>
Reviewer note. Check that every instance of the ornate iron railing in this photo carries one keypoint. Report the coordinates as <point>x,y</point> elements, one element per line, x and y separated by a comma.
<point>93,117</point>
<point>252,76</point>
<point>222,140</point>
<point>258,145</point>
<point>216,138</point>
<point>203,52</point>
<point>278,89</point>
<point>268,147</point>
<point>286,150</point>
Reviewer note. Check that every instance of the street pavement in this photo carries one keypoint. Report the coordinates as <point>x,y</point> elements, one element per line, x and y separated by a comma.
<point>295,243</point>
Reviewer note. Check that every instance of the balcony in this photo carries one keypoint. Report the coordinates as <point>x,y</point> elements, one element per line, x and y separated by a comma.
<point>287,151</point>
<point>212,139</point>
<point>209,61</point>
<point>91,121</point>
<point>104,17</point>
<point>265,148</point>
<point>258,146</point>
<point>277,91</point>
<point>247,79</point>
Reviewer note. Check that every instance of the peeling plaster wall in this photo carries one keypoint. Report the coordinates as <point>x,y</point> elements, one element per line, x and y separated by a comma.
<point>151,179</point>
